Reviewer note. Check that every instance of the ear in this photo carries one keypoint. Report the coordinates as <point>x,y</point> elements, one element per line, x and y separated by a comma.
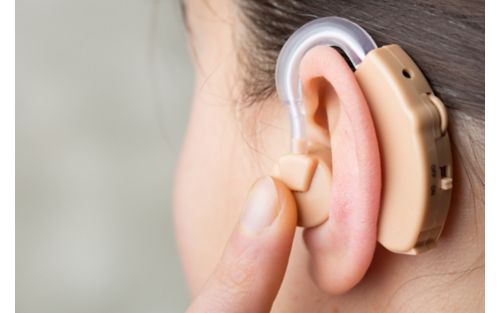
<point>342,248</point>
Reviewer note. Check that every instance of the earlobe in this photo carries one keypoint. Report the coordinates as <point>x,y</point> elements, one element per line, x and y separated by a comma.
<point>338,116</point>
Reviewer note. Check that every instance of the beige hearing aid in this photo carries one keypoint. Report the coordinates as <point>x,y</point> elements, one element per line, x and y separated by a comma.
<point>411,125</point>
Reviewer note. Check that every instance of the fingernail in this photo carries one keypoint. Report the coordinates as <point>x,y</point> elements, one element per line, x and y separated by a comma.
<point>262,205</point>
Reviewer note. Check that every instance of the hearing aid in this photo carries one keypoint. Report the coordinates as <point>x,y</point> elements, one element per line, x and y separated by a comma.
<point>411,124</point>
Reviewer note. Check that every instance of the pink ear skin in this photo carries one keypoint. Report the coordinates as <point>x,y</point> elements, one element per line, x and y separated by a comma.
<point>342,248</point>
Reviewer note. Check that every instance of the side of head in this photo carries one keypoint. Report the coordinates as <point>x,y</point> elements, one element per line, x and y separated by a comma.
<point>239,129</point>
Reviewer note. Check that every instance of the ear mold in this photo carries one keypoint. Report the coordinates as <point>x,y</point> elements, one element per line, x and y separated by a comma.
<point>309,177</point>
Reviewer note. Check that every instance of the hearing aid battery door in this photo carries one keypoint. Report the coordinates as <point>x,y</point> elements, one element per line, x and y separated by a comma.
<point>415,150</point>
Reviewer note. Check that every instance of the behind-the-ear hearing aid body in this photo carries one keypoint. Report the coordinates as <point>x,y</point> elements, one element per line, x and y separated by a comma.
<point>411,126</point>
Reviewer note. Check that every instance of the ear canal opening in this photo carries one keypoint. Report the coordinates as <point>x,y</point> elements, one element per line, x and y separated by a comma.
<point>321,116</point>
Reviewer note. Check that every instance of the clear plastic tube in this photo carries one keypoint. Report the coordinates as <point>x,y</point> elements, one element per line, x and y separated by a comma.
<point>327,31</point>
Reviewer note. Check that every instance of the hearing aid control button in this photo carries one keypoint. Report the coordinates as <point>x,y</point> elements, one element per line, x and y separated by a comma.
<point>442,112</point>
<point>446,183</point>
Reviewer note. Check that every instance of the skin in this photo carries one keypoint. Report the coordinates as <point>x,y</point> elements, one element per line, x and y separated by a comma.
<point>228,147</point>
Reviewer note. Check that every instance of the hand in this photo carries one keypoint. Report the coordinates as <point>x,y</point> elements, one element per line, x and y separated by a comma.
<point>249,275</point>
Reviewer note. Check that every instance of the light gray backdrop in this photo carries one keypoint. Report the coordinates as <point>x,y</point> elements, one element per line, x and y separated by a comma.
<point>103,90</point>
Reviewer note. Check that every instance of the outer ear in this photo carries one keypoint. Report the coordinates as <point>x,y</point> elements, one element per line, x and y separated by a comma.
<point>342,248</point>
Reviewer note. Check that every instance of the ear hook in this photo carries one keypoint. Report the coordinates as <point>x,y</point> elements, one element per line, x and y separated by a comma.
<point>331,31</point>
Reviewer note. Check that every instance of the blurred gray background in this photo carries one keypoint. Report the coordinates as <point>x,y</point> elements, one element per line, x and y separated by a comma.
<point>103,90</point>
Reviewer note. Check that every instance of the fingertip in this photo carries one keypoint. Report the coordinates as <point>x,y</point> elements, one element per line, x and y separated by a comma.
<point>288,207</point>
<point>254,262</point>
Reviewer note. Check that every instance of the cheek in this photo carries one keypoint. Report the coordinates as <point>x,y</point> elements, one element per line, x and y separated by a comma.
<point>213,176</point>
<point>216,168</point>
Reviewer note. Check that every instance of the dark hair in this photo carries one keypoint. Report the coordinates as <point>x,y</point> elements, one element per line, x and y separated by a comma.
<point>444,37</point>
